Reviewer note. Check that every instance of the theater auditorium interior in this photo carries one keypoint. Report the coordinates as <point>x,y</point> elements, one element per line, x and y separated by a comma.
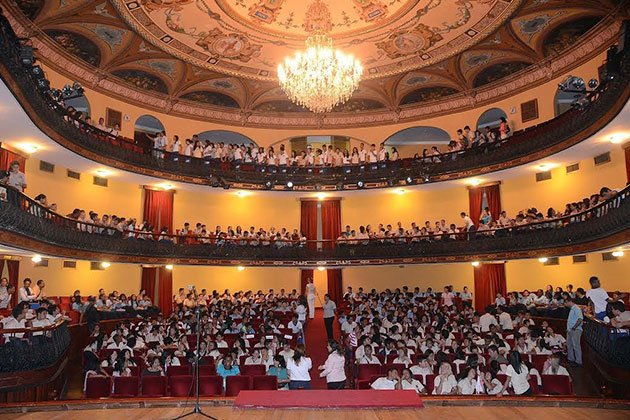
<point>356,209</point>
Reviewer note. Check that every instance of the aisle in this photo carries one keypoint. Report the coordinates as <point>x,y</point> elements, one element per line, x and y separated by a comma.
<point>316,340</point>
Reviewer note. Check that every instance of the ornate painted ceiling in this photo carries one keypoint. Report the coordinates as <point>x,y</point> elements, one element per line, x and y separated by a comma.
<point>224,53</point>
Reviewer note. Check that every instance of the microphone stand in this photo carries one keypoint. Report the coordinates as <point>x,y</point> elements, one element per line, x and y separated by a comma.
<point>197,408</point>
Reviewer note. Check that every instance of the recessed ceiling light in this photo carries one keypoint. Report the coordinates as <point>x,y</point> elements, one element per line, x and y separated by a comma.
<point>617,254</point>
<point>543,259</point>
<point>36,259</point>
<point>105,264</point>
<point>474,182</point>
<point>320,196</point>
<point>321,268</point>
<point>240,268</point>
<point>103,172</point>
<point>475,263</point>
<point>169,266</point>
<point>28,147</point>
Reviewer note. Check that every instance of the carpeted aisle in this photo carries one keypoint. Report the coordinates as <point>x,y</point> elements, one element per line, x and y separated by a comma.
<point>315,335</point>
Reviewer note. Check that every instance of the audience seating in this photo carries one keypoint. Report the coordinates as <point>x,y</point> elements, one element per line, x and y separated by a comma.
<point>429,382</point>
<point>126,386</point>
<point>154,386</point>
<point>367,371</point>
<point>253,370</point>
<point>98,387</point>
<point>207,370</point>
<point>178,370</point>
<point>181,386</point>
<point>210,386</point>
<point>556,385</point>
<point>236,384</point>
<point>265,382</point>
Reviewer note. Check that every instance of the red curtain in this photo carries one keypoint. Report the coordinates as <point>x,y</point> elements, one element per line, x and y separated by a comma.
<point>158,209</point>
<point>331,221</point>
<point>475,201</point>
<point>14,274</point>
<point>305,274</point>
<point>489,280</point>
<point>308,222</point>
<point>7,156</point>
<point>335,287</point>
<point>165,290</point>
<point>149,275</point>
<point>475,198</point>
<point>627,151</point>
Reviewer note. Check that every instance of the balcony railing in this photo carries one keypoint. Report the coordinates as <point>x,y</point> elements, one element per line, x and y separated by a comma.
<point>28,219</point>
<point>611,344</point>
<point>33,348</point>
<point>554,135</point>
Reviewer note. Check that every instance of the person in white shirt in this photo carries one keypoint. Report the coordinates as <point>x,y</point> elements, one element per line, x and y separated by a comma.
<point>6,291</point>
<point>491,384</point>
<point>487,319</point>
<point>334,369</point>
<point>422,368</point>
<point>553,367</point>
<point>255,358</point>
<point>17,179</point>
<point>407,381</point>
<point>311,291</point>
<point>500,300</point>
<point>367,357</point>
<point>468,384</point>
<point>554,340</point>
<point>16,320</point>
<point>445,383</point>
<point>467,220</point>
<point>26,293</point>
<point>505,320</point>
<point>517,376</point>
<point>298,368</point>
<point>295,325</point>
<point>348,326</point>
<point>598,298</point>
<point>40,321</point>
<point>391,382</point>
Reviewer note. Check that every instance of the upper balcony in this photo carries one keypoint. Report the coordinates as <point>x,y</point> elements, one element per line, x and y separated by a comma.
<point>521,147</point>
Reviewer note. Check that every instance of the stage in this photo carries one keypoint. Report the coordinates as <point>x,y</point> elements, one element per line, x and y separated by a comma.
<point>319,399</point>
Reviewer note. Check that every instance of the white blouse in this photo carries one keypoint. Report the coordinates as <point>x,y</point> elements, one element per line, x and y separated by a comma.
<point>299,372</point>
<point>334,368</point>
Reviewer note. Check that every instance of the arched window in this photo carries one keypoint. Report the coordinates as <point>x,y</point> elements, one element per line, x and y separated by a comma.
<point>225,136</point>
<point>491,118</point>
<point>80,104</point>
<point>418,135</point>
<point>145,128</point>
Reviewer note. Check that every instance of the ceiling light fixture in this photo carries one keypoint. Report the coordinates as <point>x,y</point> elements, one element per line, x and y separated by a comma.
<point>400,191</point>
<point>321,268</point>
<point>29,148</point>
<point>169,266</point>
<point>320,196</point>
<point>473,182</point>
<point>475,263</point>
<point>617,254</point>
<point>319,77</point>
<point>36,259</point>
<point>543,260</point>
<point>105,264</point>
<point>240,268</point>
<point>103,172</point>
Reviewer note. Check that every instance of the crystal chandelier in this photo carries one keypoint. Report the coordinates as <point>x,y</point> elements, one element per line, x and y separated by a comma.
<point>320,77</point>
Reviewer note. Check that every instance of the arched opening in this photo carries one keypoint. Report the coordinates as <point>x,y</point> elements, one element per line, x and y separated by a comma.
<point>145,128</point>
<point>491,118</point>
<point>408,141</point>
<point>225,136</point>
<point>80,104</point>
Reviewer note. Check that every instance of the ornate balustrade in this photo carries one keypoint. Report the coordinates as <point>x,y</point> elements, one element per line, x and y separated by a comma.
<point>26,224</point>
<point>524,146</point>
<point>611,344</point>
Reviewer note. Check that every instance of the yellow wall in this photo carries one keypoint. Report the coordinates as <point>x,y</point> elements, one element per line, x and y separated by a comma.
<point>524,192</point>
<point>429,275</point>
<point>120,198</point>
<point>263,137</point>
<point>227,208</point>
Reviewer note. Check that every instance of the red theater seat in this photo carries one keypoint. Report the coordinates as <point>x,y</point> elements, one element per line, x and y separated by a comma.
<point>533,385</point>
<point>210,386</point>
<point>235,384</point>
<point>253,370</point>
<point>556,385</point>
<point>207,370</point>
<point>181,386</point>
<point>154,386</point>
<point>98,387</point>
<point>538,361</point>
<point>429,383</point>
<point>126,386</point>
<point>367,371</point>
<point>265,382</point>
<point>178,370</point>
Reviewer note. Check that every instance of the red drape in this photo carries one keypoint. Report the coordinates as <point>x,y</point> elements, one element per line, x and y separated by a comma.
<point>489,280</point>
<point>14,274</point>
<point>7,156</point>
<point>475,201</point>
<point>165,289</point>
<point>335,286</point>
<point>305,274</point>
<point>308,222</point>
<point>149,275</point>
<point>331,221</point>
<point>158,209</point>
<point>627,151</point>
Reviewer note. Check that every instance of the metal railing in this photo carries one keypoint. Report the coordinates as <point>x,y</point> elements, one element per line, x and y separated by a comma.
<point>33,348</point>
<point>218,173</point>
<point>28,218</point>
<point>611,344</point>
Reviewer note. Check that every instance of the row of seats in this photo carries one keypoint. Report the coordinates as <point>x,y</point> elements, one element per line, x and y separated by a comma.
<point>175,386</point>
<point>204,370</point>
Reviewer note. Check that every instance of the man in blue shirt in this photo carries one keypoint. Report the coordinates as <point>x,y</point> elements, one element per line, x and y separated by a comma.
<point>226,368</point>
<point>574,333</point>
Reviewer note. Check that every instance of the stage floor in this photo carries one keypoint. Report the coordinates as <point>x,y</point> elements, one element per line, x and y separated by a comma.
<point>431,412</point>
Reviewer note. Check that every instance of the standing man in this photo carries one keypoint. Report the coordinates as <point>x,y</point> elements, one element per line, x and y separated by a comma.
<point>17,179</point>
<point>26,293</point>
<point>329,315</point>
<point>574,333</point>
<point>598,297</point>
<point>311,291</point>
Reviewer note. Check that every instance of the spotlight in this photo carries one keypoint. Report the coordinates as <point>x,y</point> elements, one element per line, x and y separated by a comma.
<point>26,55</point>
<point>37,71</point>
<point>409,180</point>
<point>339,186</point>
<point>318,187</point>
<point>43,84</point>
<point>36,259</point>
<point>475,263</point>
<point>543,260</point>
<point>105,264</point>
<point>617,254</point>
<point>360,184</point>
<point>268,185</point>
<point>593,83</point>
<point>426,178</point>
<point>290,185</point>
<point>169,266</point>
<point>321,268</point>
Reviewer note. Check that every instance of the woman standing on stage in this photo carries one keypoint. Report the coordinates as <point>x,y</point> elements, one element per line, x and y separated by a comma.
<point>334,369</point>
<point>311,291</point>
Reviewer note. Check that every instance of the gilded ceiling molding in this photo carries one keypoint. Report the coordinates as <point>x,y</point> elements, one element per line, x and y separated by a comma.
<point>54,56</point>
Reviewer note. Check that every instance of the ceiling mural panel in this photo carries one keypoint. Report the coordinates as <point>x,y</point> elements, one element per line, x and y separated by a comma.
<point>77,45</point>
<point>30,8</point>
<point>562,37</point>
<point>498,71</point>
<point>212,98</point>
<point>359,104</point>
<point>142,80</point>
<point>427,94</point>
